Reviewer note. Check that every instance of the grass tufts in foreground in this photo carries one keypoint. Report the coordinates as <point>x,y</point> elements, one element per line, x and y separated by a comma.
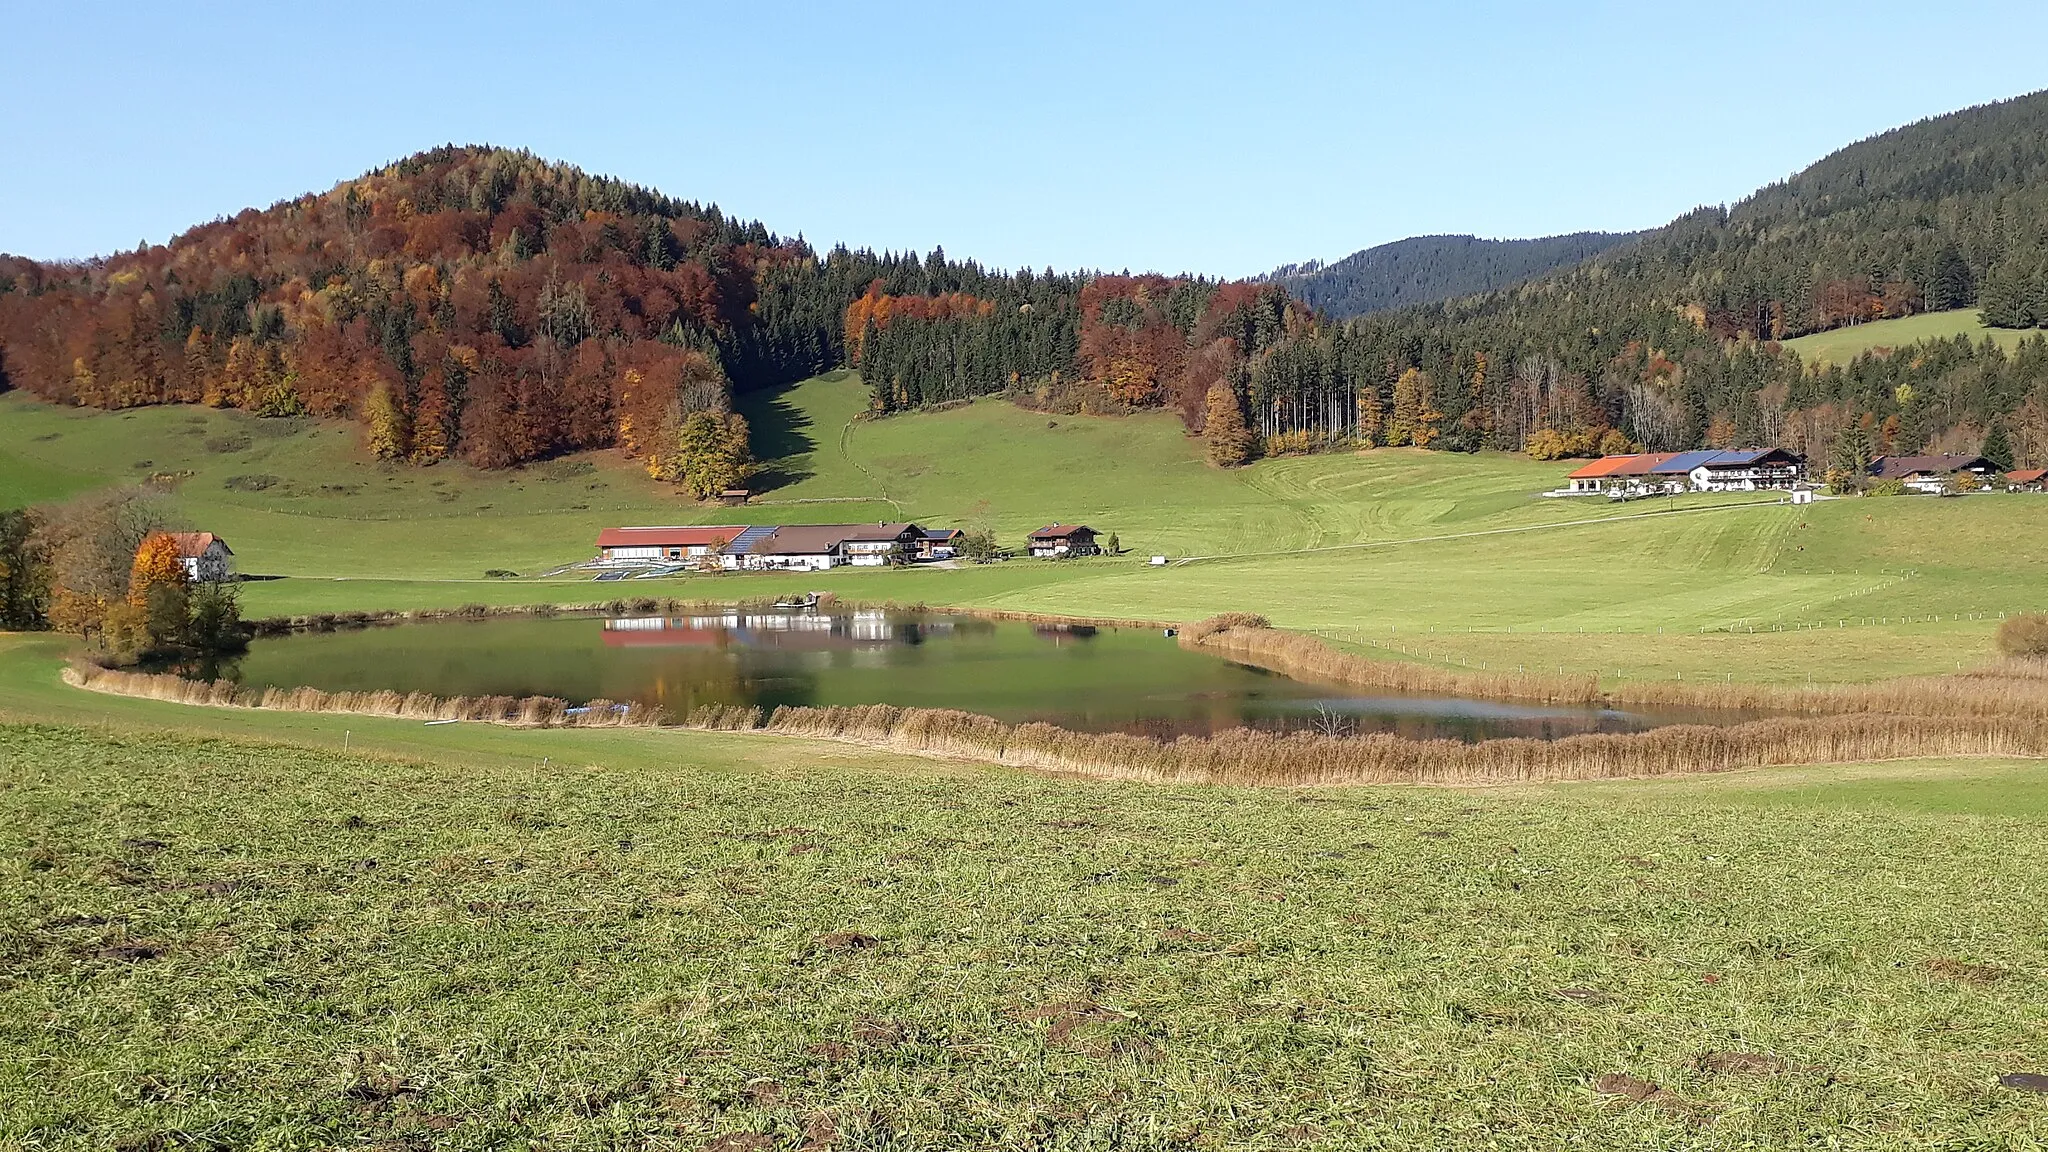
<point>219,943</point>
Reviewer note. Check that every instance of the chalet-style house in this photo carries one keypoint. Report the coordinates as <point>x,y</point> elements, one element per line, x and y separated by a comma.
<point>1741,470</point>
<point>2027,480</point>
<point>1704,470</point>
<point>1058,541</point>
<point>734,547</point>
<point>1933,474</point>
<point>939,544</point>
<point>869,546</point>
<point>206,557</point>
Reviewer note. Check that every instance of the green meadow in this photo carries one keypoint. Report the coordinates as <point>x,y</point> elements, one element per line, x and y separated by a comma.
<point>1842,345</point>
<point>1426,556</point>
<point>231,928</point>
<point>478,937</point>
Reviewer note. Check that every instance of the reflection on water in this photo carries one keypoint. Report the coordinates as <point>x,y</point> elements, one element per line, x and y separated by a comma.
<point>1078,676</point>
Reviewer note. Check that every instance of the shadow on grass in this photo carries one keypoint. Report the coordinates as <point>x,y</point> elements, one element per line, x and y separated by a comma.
<point>779,434</point>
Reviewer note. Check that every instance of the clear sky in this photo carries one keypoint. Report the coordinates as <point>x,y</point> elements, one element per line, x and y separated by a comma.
<point>1213,138</point>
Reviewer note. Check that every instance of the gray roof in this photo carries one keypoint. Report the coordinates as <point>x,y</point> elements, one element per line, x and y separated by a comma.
<point>1900,467</point>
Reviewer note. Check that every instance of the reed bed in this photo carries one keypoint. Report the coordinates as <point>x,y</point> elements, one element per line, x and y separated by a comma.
<point>1251,757</point>
<point>2010,688</point>
<point>520,711</point>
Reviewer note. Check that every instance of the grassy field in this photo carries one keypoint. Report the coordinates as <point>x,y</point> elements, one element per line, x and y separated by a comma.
<point>1419,555</point>
<point>229,928</point>
<point>474,937</point>
<point>1842,345</point>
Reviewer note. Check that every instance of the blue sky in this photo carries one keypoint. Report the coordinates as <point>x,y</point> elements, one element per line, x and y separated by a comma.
<point>1212,138</point>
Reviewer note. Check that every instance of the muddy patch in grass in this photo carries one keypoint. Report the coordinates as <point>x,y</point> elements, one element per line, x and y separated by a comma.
<point>845,942</point>
<point>2036,1082</point>
<point>131,951</point>
<point>1622,1086</point>
<point>1088,1028</point>
<point>1739,1064</point>
<point>1963,971</point>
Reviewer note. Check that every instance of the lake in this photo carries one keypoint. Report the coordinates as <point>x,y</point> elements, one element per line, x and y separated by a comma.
<point>1094,679</point>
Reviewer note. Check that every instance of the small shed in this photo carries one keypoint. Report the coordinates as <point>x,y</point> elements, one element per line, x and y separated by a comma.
<point>734,497</point>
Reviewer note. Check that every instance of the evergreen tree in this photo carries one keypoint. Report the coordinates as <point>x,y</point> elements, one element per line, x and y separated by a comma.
<point>1997,448</point>
<point>1948,280</point>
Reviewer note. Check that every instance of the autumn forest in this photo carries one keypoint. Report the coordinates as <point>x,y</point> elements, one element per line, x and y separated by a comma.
<point>485,305</point>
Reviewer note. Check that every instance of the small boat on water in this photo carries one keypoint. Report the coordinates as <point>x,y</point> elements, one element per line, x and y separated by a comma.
<point>807,600</point>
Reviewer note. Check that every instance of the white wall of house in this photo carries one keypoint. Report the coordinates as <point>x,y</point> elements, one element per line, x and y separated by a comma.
<point>210,567</point>
<point>802,561</point>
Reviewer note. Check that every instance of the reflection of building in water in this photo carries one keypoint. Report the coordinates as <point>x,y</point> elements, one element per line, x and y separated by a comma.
<point>869,626</point>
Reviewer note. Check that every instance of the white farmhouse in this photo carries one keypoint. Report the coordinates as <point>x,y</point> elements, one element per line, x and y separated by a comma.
<point>206,557</point>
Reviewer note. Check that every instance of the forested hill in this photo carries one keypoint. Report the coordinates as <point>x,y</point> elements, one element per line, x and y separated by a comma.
<point>488,305</point>
<point>1426,269</point>
<point>481,303</point>
<point>1944,213</point>
<point>1671,341</point>
<point>484,304</point>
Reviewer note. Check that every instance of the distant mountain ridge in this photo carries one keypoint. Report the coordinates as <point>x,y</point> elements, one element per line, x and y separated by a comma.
<point>1427,269</point>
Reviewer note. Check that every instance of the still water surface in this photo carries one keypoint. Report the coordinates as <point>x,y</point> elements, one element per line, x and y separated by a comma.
<point>1084,678</point>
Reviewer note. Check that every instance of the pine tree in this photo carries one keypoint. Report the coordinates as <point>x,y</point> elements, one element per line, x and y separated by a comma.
<point>2004,296</point>
<point>1997,448</point>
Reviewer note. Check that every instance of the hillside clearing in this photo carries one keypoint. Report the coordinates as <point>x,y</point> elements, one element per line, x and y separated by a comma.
<point>1841,345</point>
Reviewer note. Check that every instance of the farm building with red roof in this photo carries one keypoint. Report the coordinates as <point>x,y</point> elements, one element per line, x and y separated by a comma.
<point>662,544</point>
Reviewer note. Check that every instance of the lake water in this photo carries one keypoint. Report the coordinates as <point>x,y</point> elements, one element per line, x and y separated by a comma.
<point>1083,678</point>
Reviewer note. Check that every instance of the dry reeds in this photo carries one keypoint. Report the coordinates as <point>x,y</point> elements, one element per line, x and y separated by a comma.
<point>2011,688</point>
<point>1301,656</point>
<point>2024,636</point>
<point>520,711</point>
<point>1250,757</point>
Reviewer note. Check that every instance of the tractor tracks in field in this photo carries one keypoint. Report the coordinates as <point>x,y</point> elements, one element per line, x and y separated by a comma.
<point>846,454</point>
<point>1227,557</point>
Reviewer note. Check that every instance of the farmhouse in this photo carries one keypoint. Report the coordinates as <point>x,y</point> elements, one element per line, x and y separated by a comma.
<point>206,557</point>
<point>1932,474</point>
<point>2027,480</point>
<point>1742,469</point>
<point>671,545</point>
<point>939,544</point>
<point>1063,540</point>
<point>802,547</point>
<point>1703,470</point>
<point>871,545</point>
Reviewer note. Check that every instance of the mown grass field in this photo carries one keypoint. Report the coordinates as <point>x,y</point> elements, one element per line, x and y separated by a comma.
<point>470,937</point>
<point>1842,345</point>
<point>1418,555</point>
